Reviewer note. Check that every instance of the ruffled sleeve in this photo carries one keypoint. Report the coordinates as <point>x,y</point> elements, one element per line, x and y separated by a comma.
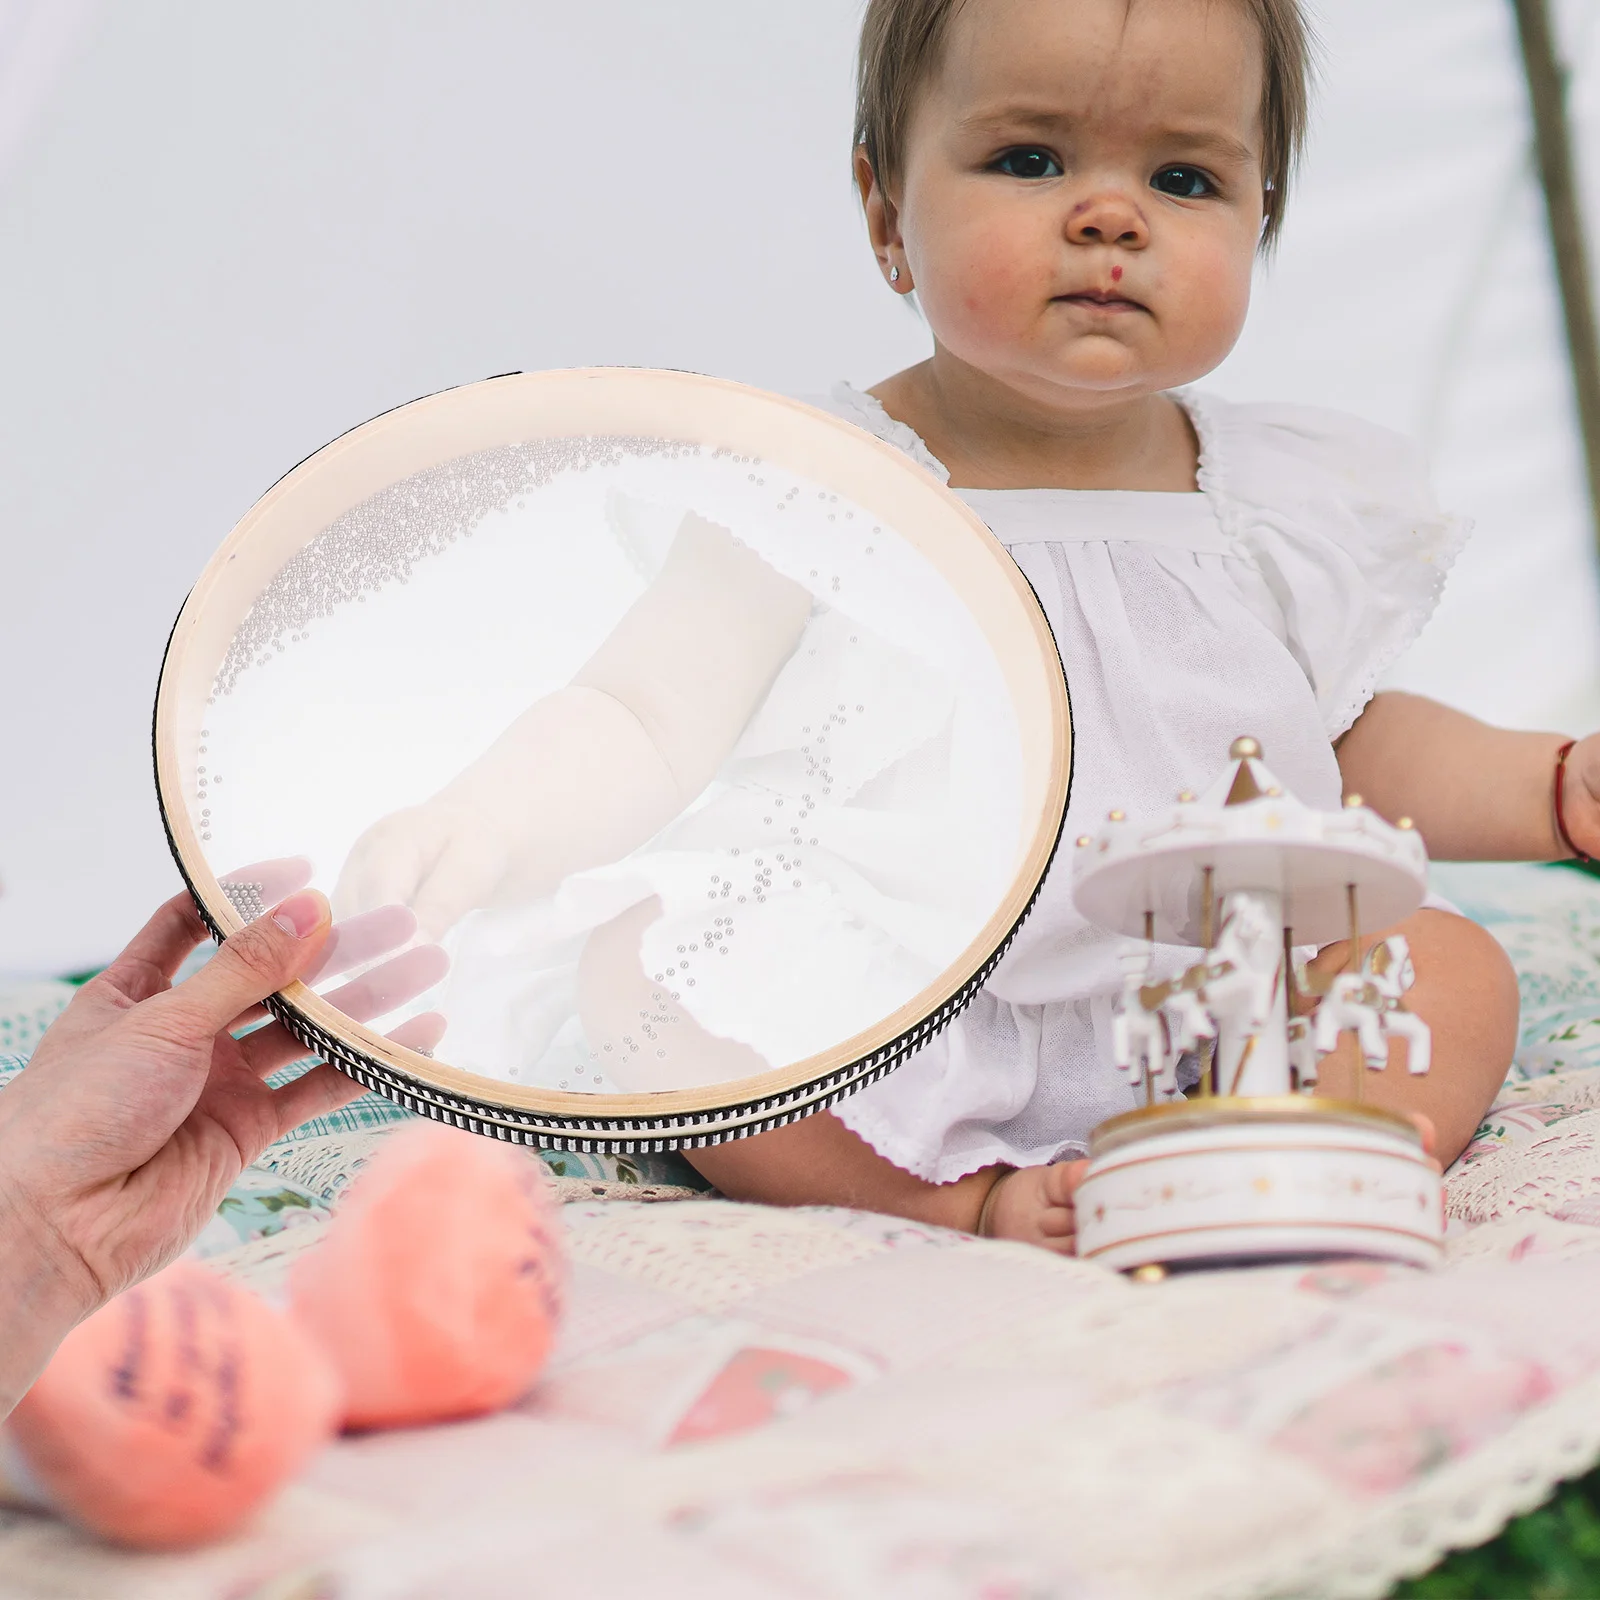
<point>1339,517</point>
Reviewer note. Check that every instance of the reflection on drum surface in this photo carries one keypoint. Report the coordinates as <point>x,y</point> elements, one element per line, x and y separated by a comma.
<point>695,768</point>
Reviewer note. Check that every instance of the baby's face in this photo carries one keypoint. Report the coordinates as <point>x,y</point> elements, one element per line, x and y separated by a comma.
<point>1082,193</point>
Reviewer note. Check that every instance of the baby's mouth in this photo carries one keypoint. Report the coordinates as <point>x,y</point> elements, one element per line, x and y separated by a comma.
<point>1108,300</point>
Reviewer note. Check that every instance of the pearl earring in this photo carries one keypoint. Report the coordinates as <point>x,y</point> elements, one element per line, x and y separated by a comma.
<point>894,274</point>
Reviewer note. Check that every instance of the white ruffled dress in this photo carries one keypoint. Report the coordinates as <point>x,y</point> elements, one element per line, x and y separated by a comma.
<point>1270,603</point>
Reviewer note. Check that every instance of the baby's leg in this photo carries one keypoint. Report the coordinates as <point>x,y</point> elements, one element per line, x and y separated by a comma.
<point>821,1162</point>
<point>1466,992</point>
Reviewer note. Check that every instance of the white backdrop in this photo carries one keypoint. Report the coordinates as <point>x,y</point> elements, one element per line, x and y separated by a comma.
<point>228,233</point>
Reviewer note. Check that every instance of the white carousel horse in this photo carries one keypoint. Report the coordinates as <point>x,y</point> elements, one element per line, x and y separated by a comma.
<point>1184,999</point>
<point>1141,1040</point>
<point>1236,979</point>
<point>1371,1004</point>
<point>1249,967</point>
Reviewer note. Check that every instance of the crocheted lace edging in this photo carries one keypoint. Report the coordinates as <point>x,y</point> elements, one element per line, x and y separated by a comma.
<point>1455,1507</point>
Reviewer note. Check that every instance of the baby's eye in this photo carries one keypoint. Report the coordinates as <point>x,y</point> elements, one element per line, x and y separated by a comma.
<point>1029,163</point>
<point>1187,183</point>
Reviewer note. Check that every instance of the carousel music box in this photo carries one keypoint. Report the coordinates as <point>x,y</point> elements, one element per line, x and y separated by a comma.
<point>1250,1166</point>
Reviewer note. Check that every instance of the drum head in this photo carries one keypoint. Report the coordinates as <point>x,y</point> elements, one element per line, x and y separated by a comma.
<point>719,746</point>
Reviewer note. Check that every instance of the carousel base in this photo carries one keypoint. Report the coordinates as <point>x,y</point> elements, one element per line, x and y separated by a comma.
<point>1234,1180</point>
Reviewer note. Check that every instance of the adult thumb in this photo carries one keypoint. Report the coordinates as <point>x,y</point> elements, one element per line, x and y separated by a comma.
<point>252,964</point>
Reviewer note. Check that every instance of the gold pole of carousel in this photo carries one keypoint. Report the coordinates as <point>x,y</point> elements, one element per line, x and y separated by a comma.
<point>1149,945</point>
<point>1208,937</point>
<point>1355,966</point>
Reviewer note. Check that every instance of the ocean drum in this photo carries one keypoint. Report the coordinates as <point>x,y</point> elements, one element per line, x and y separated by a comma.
<point>720,748</point>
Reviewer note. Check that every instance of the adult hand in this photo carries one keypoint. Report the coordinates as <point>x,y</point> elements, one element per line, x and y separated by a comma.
<point>140,1107</point>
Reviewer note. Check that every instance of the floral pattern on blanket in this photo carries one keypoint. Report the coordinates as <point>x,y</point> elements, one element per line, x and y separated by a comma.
<point>1533,1167</point>
<point>814,1402</point>
<point>1408,1416</point>
<point>259,1206</point>
<point>1548,920</point>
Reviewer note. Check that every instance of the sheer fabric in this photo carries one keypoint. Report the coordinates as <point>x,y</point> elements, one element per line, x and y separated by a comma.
<point>1271,602</point>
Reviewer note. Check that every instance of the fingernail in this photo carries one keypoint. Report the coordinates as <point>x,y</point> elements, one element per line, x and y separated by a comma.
<point>301,914</point>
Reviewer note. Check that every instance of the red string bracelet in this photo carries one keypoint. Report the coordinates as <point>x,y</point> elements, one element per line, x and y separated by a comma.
<point>1561,809</point>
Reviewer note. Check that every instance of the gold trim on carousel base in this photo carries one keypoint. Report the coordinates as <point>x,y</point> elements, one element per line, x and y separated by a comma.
<point>1274,1178</point>
<point>1222,1111</point>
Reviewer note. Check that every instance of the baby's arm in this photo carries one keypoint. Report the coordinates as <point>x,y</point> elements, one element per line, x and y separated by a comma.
<point>1476,793</point>
<point>592,771</point>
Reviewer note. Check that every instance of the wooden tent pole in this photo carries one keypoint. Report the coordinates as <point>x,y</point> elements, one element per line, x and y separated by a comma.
<point>1547,92</point>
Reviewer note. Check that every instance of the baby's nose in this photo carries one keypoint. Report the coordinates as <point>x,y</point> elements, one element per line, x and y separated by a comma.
<point>1108,217</point>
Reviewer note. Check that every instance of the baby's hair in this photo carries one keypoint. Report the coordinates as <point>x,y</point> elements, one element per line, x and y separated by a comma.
<point>901,42</point>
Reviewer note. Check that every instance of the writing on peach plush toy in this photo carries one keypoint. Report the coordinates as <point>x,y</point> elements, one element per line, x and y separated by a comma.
<point>172,1414</point>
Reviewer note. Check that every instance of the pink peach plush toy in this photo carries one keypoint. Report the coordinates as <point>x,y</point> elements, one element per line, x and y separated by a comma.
<point>172,1414</point>
<point>437,1290</point>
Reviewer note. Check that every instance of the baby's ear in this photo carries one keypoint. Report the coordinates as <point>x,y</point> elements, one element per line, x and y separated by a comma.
<point>866,178</point>
<point>882,214</point>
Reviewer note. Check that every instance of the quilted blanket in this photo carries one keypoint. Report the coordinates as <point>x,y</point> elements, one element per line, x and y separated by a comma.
<point>750,1402</point>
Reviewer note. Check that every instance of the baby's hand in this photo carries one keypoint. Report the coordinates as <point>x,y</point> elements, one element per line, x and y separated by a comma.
<point>1034,1205</point>
<point>429,857</point>
<point>575,782</point>
<point>1581,796</point>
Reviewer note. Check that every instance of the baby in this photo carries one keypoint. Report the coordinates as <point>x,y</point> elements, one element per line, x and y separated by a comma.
<point>1076,191</point>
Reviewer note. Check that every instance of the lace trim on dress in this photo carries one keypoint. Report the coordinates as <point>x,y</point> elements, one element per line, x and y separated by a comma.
<point>866,411</point>
<point>911,1151</point>
<point>1210,476</point>
<point>1453,535</point>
